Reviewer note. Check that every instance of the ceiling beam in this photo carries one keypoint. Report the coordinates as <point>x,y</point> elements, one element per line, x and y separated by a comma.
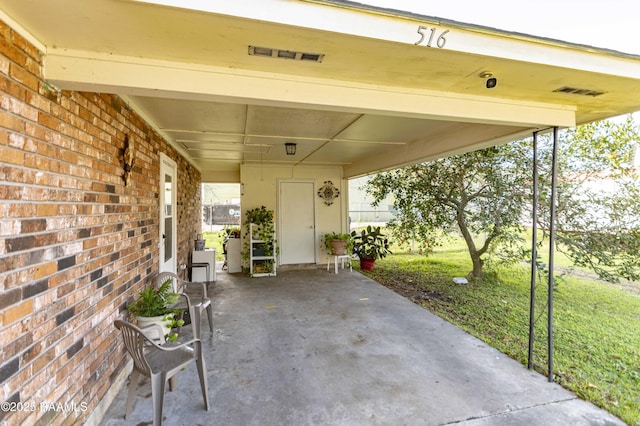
<point>86,71</point>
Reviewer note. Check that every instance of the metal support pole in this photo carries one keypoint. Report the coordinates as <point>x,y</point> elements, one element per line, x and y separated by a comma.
<point>534,251</point>
<point>552,242</point>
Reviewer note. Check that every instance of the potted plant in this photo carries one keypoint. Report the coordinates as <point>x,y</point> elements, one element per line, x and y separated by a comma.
<point>153,306</point>
<point>337,243</point>
<point>370,244</point>
<point>263,232</point>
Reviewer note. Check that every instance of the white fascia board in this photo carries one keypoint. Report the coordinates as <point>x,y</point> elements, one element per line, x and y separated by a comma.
<point>381,25</point>
<point>135,76</point>
<point>15,26</point>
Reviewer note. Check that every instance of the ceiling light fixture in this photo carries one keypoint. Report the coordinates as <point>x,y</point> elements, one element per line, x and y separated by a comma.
<point>290,147</point>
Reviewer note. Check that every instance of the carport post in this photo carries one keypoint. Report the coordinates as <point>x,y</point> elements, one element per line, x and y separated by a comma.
<point>552,243</point>
<point>534,250</point>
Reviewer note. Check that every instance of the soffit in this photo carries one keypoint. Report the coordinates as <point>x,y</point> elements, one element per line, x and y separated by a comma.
<point>219,134</point>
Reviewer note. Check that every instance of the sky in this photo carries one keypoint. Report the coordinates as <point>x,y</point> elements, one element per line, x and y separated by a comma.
<point>609,24</point>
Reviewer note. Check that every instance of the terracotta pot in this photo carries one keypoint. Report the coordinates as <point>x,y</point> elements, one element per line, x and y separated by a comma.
<point>366,264</point>
<point>338,247</point>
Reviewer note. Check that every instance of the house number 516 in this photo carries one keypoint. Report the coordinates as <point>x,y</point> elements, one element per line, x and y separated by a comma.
<point>427,35</point>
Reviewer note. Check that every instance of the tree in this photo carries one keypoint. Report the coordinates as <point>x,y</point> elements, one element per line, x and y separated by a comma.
<point>479,193</point>
<point>598,223</point>
<point>486,195</point>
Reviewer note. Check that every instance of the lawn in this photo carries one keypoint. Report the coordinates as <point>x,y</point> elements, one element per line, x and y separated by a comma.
<point>215,240</point>
<point>597,325</point>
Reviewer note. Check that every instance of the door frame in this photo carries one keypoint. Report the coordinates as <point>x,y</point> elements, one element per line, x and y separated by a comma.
<point>167,164</point>
<point>315,214</point>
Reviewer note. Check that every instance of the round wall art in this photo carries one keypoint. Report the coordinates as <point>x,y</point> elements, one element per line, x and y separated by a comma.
<point>328,192</point>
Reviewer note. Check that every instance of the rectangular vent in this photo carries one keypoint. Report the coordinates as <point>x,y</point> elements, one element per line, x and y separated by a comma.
<point>581,92</point>
<point>285,54</point>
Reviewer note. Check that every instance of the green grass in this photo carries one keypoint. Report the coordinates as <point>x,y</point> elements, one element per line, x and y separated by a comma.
<point>214,240</point>
<point>596,325</point>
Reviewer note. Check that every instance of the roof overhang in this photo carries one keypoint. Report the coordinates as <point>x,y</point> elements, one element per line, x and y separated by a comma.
<point>375,101</point>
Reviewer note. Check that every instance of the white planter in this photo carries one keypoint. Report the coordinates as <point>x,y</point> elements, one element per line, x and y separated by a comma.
<point>160,320</point>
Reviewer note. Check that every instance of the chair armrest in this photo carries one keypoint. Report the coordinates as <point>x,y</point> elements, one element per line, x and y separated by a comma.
<point>173,347</point>
<point>186,297</point>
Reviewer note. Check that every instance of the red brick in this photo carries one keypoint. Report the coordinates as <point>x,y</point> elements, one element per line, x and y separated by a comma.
<point>25,46</point>
<point>11,122</point>
<point>12,52</point>
<point>23,76</point>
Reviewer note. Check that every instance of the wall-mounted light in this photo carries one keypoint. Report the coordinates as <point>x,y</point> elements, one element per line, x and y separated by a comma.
<point>290,148</point>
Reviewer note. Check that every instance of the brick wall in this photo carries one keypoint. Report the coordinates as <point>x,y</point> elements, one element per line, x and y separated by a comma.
<point>75,243</point>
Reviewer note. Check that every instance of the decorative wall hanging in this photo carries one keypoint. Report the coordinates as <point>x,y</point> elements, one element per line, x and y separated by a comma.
<point>328,192</point>
<point>129,156</point>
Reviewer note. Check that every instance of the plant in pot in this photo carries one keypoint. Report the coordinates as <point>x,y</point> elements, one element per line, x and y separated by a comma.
<point>370,244</point>
<point>263,231</point>
<point>153,306</point>
<point>338,243</point>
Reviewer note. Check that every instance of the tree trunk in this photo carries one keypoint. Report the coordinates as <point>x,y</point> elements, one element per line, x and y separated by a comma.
<point>478,263</point>
<point>477,271</point>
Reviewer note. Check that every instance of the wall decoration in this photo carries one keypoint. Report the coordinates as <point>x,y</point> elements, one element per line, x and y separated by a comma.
<point>328,192</point>
<point>128,156</point>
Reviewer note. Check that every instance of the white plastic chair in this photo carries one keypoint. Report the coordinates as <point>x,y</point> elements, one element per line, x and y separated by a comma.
<point>160,363</point>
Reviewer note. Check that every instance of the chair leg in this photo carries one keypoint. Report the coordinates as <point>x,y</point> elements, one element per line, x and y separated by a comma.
<point>195,321</point>
<point>210,316</point>
<point>158,382</point>
<point>133,384</point>
<point>202,372</point>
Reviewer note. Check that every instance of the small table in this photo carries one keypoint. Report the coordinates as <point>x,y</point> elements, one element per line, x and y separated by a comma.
<point>341,258</point>
<point>203,265</point>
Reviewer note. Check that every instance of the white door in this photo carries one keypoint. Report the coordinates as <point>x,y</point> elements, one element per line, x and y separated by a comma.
<point>168,243</point>
<point>297,222</point>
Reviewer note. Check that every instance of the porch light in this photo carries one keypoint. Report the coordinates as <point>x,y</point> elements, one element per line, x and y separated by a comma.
<point>290,147</point>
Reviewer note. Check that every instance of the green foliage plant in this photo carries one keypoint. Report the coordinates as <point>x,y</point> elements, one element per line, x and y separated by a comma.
<point>155,302</point>
<point>370,243</point>
<point>337,236</point>
<point>264,230</point>
<point>478,193</point>
<point>486,196</point>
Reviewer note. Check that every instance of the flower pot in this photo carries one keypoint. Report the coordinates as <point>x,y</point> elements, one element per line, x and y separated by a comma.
<point>338,247</point>
<point>366,264</point>
<point>160,320</point>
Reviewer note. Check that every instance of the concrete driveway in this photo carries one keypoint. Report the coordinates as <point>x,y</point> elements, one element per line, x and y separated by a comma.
<point>316,348</point>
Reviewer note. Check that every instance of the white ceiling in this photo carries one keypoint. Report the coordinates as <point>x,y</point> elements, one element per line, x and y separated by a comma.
<point>375,101</point>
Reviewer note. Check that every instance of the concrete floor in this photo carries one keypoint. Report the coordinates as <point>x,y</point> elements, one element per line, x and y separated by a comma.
<point>315,348</point>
